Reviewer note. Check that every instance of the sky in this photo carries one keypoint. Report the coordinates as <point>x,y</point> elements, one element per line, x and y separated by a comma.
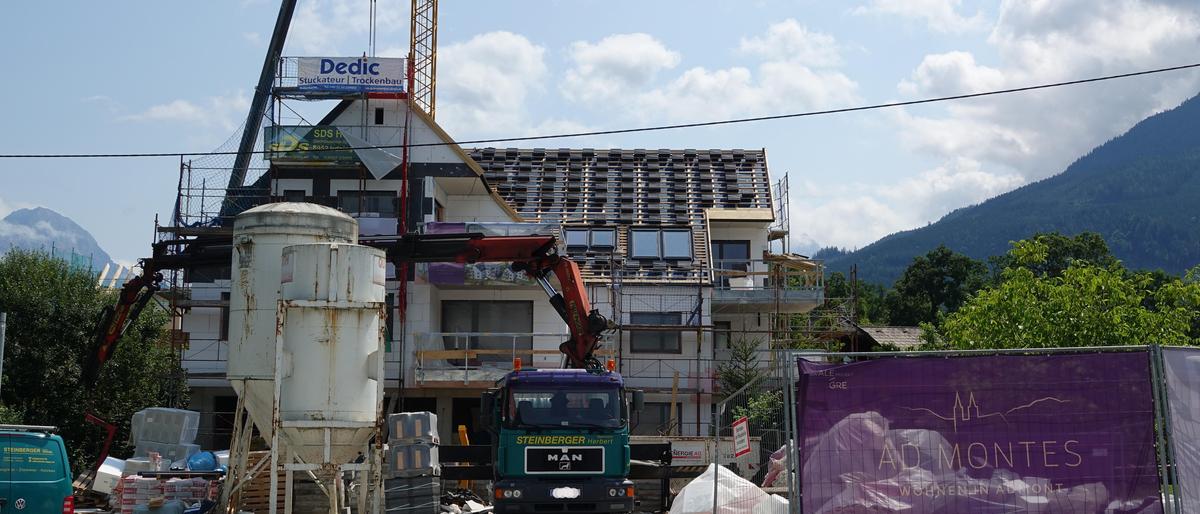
<point>167,76</point>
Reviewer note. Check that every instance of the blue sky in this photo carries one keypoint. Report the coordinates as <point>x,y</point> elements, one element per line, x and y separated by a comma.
<point>140,76</point>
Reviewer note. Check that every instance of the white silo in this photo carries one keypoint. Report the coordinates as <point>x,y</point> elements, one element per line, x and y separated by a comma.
<point>259,237</point>
<point>331,350</point>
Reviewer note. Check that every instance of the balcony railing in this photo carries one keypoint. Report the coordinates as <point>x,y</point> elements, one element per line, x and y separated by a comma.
<point>480,358</point>
<point>790,284</point>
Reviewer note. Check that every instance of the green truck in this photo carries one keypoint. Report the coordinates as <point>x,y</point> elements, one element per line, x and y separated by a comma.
<point>35,474</point>
<point>560,441</point>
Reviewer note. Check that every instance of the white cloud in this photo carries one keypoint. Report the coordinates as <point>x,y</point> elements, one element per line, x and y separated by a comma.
<point>1037,134</point>
<point>851,215</point>
<point>702,94</point>
<point>790,41</point>
<point>483,83</point>
<point>223,112</point>
<point>938,15</point>
<point>615,64</point>
<point>796,70</point>
<point>254,38</point>
<point>952,73</point>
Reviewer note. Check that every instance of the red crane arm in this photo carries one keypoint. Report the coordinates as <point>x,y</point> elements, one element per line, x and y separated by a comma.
<point>538,257</point>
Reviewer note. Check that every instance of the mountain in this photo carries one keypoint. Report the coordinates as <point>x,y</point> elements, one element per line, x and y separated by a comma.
<point>1140,191</point>
<point>43,229</point>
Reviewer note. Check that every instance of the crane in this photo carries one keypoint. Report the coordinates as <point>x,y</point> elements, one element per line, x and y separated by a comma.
<point>537,257</point>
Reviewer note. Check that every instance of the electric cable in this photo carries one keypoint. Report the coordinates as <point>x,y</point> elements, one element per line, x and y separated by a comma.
<point>653,128</point>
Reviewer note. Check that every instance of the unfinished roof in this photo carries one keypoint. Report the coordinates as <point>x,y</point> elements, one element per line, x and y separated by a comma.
<point>626,187</point>
<point>629,188</point>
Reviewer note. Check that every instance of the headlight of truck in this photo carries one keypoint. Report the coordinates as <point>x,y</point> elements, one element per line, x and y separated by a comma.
<point>612,492</point>
<point>516,493</point>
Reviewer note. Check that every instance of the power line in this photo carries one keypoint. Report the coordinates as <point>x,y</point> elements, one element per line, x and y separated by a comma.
<point>641,129</point>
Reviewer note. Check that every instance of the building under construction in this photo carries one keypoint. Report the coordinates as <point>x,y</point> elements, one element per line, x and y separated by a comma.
<point>685,249</point>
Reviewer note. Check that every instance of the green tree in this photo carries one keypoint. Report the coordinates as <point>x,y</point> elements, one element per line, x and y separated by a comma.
<point>935,283</point>
<point>1083,305</point>
<point>742,367</point>
<point>1059,252</point>
<point>52,309</point>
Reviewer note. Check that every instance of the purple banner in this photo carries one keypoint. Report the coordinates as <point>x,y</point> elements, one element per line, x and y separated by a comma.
<point>1002,433</point>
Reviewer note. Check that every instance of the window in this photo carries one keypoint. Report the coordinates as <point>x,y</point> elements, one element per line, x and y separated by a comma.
<point>596,239</point>
<point>378,204</point>
<point>224,328</point>
<point>655,419</point>
<point>557,407</point>
<point>654,341</point>
<point>677,244</point>
<point>473,317</point>
<point>379,115</point>
<point>294,195</point>
<point>604,239</point>
<point>660,244</point>
<point>729,257</point>
<point>576,239</point>
<point>643,244</point>
<point>721,331</point>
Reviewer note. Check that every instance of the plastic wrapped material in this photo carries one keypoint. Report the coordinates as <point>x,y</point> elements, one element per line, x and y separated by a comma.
<point>735,495</point>
<point>413,427</point>
<point>163,425</point>
<point>410,460</point>
<point>222,458</point>
<point>773,504</point>
<point>108,475</point>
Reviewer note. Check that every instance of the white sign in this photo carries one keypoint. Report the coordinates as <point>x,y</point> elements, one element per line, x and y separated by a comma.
<point>352,74</point>
<point>741,437</point>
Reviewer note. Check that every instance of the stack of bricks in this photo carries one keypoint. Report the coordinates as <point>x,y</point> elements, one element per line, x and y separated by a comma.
<point>412,481</point>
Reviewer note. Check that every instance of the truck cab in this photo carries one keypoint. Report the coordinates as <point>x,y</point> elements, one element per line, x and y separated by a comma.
<point>560,441</point>
<point>35,474</point>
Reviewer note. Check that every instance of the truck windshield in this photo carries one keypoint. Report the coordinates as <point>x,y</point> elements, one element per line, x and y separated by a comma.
<point>564,408</point>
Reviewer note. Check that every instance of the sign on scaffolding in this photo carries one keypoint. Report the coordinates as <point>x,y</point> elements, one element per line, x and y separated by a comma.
<point>309,144</point>
<point>351,74</point>
<point>741,436</point>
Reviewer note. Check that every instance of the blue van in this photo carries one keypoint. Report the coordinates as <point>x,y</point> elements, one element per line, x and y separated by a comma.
<point>35,475</point>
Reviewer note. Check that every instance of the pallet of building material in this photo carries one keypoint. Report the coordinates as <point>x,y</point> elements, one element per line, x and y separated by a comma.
<point>169,452</point>
<point>414,487</point>
<point>411,460</point>
<point>163,425</point>
<point>413,427</point>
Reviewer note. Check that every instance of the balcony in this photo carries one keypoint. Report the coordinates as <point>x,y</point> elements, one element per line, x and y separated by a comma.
<point>479,359</point>
<point>779,283</point>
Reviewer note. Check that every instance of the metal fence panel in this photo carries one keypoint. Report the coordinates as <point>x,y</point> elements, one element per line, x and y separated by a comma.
<point>751,440</point>
<point>983,432</point>
<point>1181,369</point>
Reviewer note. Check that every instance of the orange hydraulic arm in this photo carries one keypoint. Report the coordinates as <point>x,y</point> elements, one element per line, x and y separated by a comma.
<point>538,257</point>
<point>115,320</point>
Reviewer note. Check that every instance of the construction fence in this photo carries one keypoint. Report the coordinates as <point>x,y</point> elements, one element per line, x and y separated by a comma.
<point>1088,430</point>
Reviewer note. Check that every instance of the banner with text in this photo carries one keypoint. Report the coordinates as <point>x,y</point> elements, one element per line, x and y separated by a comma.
<point>998,433</point>
<point>307,143</point>
<point>351,74</point>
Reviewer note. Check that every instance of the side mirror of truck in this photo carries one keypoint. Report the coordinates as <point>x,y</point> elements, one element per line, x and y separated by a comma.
<point>487,409</point>
<point>639,400</point>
